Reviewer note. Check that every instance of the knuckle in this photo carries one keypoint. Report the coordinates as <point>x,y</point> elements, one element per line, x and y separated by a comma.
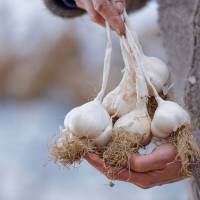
<point>136,165</point>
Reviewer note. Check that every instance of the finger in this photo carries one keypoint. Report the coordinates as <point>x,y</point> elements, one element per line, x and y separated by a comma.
<point>96,162</point>
<point>80,3</point>
<point>120,5</point>
<point>107,10</point>
<point>124,175</point>
<point>142,180</point>
<point>170,174</point>
<point>158,159</point>
<point>149,179</point>
<point>93,14</point>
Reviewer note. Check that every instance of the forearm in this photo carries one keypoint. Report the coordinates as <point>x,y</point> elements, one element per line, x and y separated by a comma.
<point>68,8</point>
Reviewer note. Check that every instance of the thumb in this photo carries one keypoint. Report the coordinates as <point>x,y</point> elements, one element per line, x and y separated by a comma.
<point>156,160</point>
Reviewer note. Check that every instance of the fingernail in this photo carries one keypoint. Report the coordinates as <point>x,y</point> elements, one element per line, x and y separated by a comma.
<point>120,7</point>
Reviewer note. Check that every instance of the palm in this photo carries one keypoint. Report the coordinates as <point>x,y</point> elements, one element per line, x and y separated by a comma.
<point>157,168</point>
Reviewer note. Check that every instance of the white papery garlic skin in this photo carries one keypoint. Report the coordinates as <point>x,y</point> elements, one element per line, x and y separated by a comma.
<point>137,122</point>
<point>168,117</point>
<point>90,120</point>
<point>123,98</point>
<point>65,136</point>
<point>157,71</point>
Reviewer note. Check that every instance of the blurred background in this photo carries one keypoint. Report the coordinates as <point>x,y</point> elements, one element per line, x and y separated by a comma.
<point>47,66</point>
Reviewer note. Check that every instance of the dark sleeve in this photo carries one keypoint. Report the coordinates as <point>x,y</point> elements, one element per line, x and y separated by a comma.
<point>68,8</point>
<point>63,8</point>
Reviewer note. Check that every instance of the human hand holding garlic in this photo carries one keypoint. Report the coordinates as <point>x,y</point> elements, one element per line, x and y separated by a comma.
<point>146,171</point>
<point>105,10</point>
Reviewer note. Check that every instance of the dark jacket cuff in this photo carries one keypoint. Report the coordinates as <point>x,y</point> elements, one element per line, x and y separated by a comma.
<point>68,8</point>
<point>63,8</point>
<point>71,4</point>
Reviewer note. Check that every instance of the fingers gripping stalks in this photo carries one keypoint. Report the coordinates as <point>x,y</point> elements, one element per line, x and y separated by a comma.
<point>105,10</point>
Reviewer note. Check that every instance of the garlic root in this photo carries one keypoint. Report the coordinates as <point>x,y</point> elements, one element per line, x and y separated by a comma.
<point>116,154</point>
<point>187,149</point>
<point>130,132</point>
<point>68,152</point>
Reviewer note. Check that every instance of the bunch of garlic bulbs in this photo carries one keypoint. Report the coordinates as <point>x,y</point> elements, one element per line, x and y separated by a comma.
<point>91,127</point>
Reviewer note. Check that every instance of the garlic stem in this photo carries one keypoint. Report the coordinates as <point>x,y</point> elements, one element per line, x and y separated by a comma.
<point>128,60</point>
<point>155,93</point>
<point>135,44</point>
<point>132,34</point>
<point>141,87</point>
<point>107,63</point>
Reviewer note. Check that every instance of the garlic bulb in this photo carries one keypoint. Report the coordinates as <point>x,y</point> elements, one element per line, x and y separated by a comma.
<point>123,98</point>
<point>157,71</point>
<point>90,120</point>
<point>168,117</point>
<point>137,123</point>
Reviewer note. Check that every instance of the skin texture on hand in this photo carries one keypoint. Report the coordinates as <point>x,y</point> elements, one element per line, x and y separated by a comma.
<point>146,171</point>
<point>105,10</point>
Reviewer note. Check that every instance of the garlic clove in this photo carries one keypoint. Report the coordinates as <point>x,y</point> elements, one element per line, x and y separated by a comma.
<point>157,71</point>
<point>119,104</point>
<point>137,122</point>
<point>89,120</point>
<point>168,117</point>
<point>104,138</point>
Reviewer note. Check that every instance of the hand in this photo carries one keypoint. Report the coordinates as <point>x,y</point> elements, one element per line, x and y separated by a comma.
<point>101,10</point>
<point>157,168</point>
